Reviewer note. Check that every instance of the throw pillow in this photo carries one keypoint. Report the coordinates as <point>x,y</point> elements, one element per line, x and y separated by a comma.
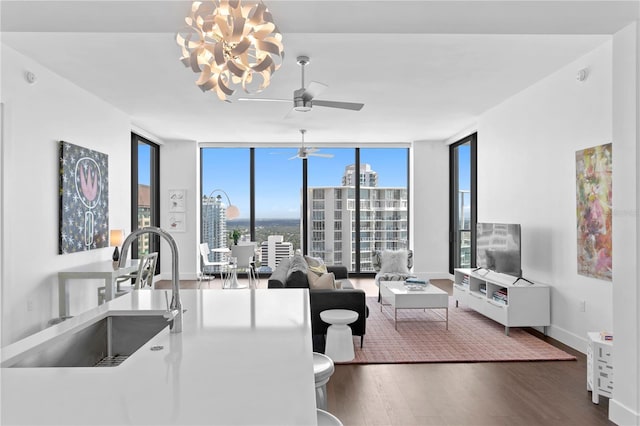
<point>394,261</point>
<point>316,265</point>
<point>312,277</point>
<point>324,281</point>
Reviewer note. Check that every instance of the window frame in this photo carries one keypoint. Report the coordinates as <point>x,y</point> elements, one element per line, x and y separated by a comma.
<point>472,140</point>
<point>154,186</point>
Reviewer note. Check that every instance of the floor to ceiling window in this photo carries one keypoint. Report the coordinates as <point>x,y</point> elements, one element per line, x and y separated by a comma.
<point>339,207</point>
<point>226,181</point>
<point>462,157</point>
<point>331,211</point>
<point>384,202</point>
<point>145,193</point>
<point>278,187</point>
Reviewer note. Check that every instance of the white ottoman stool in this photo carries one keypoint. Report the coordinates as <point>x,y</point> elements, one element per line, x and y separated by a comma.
<point>322,370</point>
<point>339,346</point>
<point>327,419</point>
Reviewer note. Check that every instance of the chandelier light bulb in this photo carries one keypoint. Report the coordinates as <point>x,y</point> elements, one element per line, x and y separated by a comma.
<point>231,44</point>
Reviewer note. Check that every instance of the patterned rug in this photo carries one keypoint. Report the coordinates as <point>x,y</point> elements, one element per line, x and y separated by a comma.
<point>471,337</point>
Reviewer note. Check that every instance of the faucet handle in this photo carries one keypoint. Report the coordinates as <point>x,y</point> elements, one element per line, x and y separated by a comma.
<point>170,315</point>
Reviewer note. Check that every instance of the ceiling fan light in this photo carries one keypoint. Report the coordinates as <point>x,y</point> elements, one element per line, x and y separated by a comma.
<point>227,37</point>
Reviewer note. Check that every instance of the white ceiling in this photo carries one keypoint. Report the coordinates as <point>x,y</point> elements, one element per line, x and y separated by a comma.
<point>425,70</point>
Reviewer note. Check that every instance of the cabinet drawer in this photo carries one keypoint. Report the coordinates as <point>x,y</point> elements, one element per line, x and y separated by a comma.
<point>460,293</point>
<point>496,311</point>
<point>475,301</point>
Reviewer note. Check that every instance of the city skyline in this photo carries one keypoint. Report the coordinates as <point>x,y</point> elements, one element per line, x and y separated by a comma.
<point>279,178</point>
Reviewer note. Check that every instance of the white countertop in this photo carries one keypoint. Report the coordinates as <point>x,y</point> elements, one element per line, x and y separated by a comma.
<point>244,357</point>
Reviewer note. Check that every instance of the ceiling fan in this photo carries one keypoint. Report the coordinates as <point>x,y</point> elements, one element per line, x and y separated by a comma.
<point>304,152</point>
<point>304,98</point>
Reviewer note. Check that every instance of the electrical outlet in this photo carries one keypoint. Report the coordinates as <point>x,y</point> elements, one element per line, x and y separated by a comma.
<point>29,305</point>
<point>583,306</point>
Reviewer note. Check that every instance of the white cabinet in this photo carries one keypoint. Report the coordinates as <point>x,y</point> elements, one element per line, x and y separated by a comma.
<point>510,302</point>
<point>599,367</point>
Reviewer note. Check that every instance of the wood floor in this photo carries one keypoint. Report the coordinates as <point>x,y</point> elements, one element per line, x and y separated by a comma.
<point>508,393</point>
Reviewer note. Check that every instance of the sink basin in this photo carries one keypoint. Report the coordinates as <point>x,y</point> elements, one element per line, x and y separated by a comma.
<point>107,342</point>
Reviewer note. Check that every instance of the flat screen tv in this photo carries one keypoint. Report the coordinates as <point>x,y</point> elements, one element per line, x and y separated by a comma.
<point>498,248</point>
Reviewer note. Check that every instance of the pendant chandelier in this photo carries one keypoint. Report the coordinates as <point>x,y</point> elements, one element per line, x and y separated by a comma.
<point>229,44</point>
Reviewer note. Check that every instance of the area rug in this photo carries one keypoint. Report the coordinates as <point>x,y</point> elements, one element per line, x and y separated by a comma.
<point>471,337</point>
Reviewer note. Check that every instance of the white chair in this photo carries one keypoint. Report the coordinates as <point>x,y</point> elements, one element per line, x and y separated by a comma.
<point>245,255</point>
<point>208,264</point>
<point>143,277</point>
<point>392,265</point>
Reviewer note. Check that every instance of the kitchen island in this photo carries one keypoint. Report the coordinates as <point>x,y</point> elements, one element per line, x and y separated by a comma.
<point>244,357</point>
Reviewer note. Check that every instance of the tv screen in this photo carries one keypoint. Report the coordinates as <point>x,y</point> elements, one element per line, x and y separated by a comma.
<point>498,248</point>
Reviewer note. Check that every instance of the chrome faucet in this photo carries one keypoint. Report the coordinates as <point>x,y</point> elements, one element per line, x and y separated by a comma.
<point>174,312</point>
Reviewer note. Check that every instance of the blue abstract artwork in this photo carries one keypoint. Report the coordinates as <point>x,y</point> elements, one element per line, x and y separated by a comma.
<point>84,199</point>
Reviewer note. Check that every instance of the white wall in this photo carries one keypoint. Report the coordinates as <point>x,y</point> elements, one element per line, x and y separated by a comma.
<point>624,407</point>
<point>37,117</point>
<point>180,169</point>
<point>429,188</point>
<point>526,174</point>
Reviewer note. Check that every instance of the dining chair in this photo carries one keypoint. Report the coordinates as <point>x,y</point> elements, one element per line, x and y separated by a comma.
<point>141,278</point>
<point>245,261</point>
<point>209,265</point>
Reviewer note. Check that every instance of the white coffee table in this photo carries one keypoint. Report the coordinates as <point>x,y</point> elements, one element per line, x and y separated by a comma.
<point>396,295</point>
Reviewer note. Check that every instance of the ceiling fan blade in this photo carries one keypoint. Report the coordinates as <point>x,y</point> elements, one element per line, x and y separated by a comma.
<point>314,89</point>
<point>310,154</point>
<point>265,99</point>
<point>343,105</point>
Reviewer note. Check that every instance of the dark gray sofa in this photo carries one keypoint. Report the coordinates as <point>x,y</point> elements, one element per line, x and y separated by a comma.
<point>322,299</point>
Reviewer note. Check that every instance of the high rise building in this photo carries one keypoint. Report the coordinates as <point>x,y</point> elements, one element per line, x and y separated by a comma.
<point>144,217</point>
<point>214,224</point>
<point>367,176</point>
<point>383,219</point>
<point>273,250</point>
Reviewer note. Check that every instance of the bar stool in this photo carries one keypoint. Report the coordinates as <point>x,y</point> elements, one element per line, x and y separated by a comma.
<point>322,370</point>
<point>327,419</point>
<point>339,345</point>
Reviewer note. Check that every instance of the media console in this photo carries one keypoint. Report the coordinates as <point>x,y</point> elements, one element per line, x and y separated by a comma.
<point>503,298</point>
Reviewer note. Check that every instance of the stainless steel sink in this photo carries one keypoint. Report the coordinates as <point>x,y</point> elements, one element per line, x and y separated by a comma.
<point>105,343</point>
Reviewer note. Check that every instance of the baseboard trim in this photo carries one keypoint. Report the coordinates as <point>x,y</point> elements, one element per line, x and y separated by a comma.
<point>621,415</point>
<point>566,337</point>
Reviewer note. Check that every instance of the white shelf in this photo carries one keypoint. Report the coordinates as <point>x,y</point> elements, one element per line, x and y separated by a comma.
<point>526,305</point>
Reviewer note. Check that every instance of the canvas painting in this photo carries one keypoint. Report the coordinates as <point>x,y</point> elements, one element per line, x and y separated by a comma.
<point>84,199</point>
<point>594,211</point>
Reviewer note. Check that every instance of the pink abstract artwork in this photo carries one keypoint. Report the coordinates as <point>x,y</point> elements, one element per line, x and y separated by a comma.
<point>594,211</point>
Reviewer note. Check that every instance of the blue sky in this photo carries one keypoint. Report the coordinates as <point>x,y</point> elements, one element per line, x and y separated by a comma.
<point>144,164</point>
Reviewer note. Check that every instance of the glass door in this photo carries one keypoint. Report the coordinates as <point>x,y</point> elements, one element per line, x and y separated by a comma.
<point>462,157</point>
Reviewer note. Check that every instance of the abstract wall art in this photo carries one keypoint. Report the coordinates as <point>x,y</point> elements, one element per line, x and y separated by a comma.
<point>594,211</point>
<point>84,199</point>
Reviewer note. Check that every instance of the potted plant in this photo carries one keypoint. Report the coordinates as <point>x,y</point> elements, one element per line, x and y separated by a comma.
<point>235,236</point>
